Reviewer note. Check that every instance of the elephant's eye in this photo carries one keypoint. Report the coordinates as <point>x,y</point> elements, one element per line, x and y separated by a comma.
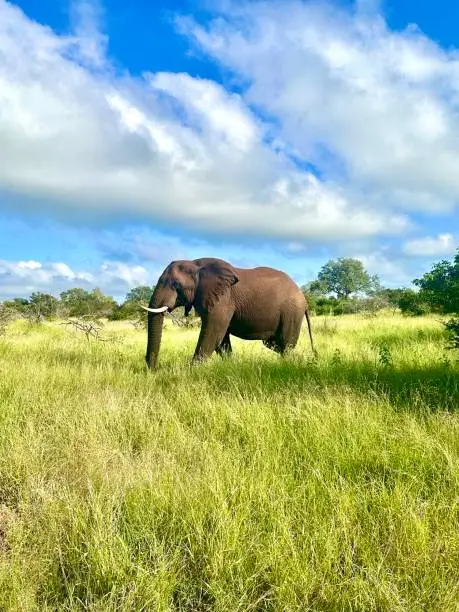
<point>175,284</point>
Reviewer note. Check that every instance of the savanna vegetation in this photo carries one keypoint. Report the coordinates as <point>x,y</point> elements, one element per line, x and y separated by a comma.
<point>250,483</point>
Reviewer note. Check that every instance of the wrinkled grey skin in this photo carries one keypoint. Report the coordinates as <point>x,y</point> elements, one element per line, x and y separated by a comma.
<point>253,304</point>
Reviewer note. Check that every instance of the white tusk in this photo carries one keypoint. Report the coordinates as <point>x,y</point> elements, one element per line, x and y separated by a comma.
<point>156,310</point>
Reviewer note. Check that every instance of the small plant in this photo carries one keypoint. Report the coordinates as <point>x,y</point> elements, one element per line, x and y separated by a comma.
<point>385,355</point>
<point>328,327</point>
<point>452,330</point>
<point>337,357</point>
<point>139,323</point>
<point>445,362</point>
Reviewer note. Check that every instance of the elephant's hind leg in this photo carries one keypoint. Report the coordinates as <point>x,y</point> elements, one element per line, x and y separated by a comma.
<point>273,344</point>
<point>289,332</point>
<point>225,349</point>
<point>286,336</point>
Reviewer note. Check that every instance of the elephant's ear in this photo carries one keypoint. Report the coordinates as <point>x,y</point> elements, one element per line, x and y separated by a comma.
<point>214,279</point>
<point>188,277</point>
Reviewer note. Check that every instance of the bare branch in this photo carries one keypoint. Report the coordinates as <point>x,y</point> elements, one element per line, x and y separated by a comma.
<point>90,328</point>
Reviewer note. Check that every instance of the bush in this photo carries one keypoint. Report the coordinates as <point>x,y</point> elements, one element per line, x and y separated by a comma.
<point>326,306</point>
<point>440,286</point>
<point>7,315</point>
<point>412,303</point>
<point>374,304</point>
<point>127,311</point>
<point>334,306</point>
<point>452,330</point>
<point>78,302</point>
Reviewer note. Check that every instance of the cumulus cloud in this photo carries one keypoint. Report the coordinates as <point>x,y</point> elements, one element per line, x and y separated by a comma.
<point>176,148</point>
<point>392,271</point>
<point>114,273</point>
<point>441,245</point>
<point>375,108</point>
<point>21,278</point>
<point>90,42</point>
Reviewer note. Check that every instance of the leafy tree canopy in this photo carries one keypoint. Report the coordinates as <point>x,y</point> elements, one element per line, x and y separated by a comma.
<point>18,304</point>
<point>440,286</point>
<point>43,304</point>
<point>139,294</point>
<point>344,277</point>
<point>80,302</point>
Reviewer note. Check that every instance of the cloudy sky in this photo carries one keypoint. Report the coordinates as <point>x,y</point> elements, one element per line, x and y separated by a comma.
<point>275,132</point>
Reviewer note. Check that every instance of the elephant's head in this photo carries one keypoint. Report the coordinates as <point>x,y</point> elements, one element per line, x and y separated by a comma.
<point>185,283</point>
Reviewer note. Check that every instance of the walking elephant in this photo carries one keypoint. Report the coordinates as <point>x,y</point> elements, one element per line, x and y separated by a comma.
<point>253,304</point>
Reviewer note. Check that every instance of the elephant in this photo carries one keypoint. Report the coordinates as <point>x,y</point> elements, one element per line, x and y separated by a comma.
<point>250,303</point>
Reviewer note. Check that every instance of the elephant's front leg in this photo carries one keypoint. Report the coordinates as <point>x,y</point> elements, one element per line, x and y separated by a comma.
<point>212,334</point>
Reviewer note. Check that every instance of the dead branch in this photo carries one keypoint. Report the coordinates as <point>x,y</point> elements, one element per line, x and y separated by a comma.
<point>90,328</point>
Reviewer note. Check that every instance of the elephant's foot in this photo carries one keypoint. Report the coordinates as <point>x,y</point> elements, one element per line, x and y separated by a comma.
<point>273,345</point>
<point>197,359</point>
<point>224,351</point>
<point>224,348</point>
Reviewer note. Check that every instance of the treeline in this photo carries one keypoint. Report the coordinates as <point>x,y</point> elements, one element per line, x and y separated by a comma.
<point>343,286</point>
<point>78,302</point>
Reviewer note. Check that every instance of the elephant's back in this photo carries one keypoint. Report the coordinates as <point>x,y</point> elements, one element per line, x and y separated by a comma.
<point>264,278</point>
<point>268,288</point>
<point>264,272</point>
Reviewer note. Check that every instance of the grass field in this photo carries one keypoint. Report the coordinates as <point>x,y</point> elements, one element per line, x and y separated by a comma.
<point>254,483</point>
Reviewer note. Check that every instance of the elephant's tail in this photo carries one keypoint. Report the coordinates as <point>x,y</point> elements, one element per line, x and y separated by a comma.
<point>306,313</point>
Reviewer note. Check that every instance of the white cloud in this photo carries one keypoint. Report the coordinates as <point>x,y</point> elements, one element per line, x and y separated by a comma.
<point>175,148</point>
<point>392,271</point>
<point>21,278</point>
<point>443,244</point>
<point>130,275</point>
<point>374,107</point>
<point>62,270</point>
<point>91,43</point>
<point>224,115</point>
<point>25,266</point>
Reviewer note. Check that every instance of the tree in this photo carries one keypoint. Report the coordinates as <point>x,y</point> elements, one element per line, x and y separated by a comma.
<point>440,286</point>
<point>412,303</point>
<point>139,294</point>
<point>17,304</point>
<point>79,302</point>
<point>100,304</point>
<point>344,277</point>
<point>127,311</point>
<point>130,308</point>
<point>39,306</point>
<point>392,296</point>
<point>43,305</point>
<point>75,301</point>
<point>315,288</point>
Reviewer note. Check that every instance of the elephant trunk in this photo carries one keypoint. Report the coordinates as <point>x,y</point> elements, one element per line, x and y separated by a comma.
<point>163,299</point>
<point>155,331</point>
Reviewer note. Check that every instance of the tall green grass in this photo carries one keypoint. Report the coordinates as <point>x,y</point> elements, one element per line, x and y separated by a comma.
<point>251,483</point>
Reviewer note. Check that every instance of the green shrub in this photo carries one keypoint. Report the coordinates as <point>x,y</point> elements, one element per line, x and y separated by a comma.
<point>412,303</point>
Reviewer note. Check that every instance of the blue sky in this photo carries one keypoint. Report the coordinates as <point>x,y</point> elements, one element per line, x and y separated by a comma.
<point>278,133</point>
